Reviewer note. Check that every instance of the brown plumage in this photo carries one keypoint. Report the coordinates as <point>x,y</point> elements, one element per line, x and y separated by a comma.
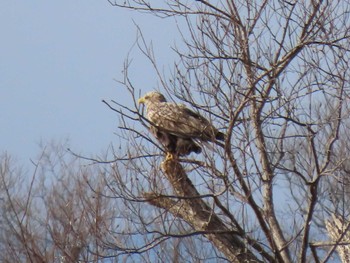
<point>173,144</point>
<point>177,127</point>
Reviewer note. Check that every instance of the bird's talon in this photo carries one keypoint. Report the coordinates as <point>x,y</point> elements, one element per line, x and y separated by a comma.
<point>169,157</point>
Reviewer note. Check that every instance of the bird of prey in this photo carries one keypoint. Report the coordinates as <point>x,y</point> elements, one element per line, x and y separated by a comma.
<point>176,127</point>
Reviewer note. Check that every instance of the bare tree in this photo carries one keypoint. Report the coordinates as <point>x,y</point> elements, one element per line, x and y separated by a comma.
<point>52,215</point>
<point>273,75</point>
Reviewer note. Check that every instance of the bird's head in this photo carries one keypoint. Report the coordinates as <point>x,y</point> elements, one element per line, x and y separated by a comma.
<point>152,97</point>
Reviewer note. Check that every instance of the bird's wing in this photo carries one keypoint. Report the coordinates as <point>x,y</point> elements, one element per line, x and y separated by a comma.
<point>180,121</point>
<point>193,114</point>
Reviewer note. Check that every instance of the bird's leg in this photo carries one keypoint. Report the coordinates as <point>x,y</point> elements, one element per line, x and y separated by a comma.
<point>169,157</point>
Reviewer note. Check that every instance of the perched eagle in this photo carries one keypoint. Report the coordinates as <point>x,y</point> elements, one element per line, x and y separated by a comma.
<point>176,127</point>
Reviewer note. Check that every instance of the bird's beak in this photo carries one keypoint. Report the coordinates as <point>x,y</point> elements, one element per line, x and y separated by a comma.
<point>141,100</point>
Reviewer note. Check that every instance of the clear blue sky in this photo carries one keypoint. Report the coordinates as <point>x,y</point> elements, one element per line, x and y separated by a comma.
<point>58,60</point>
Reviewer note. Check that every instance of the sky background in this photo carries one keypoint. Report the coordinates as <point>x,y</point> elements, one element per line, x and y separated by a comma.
<point>58,60</point>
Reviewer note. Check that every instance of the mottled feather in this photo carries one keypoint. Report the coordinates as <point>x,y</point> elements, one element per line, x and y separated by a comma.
<point>174,144</point>
<point>176,126</point>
